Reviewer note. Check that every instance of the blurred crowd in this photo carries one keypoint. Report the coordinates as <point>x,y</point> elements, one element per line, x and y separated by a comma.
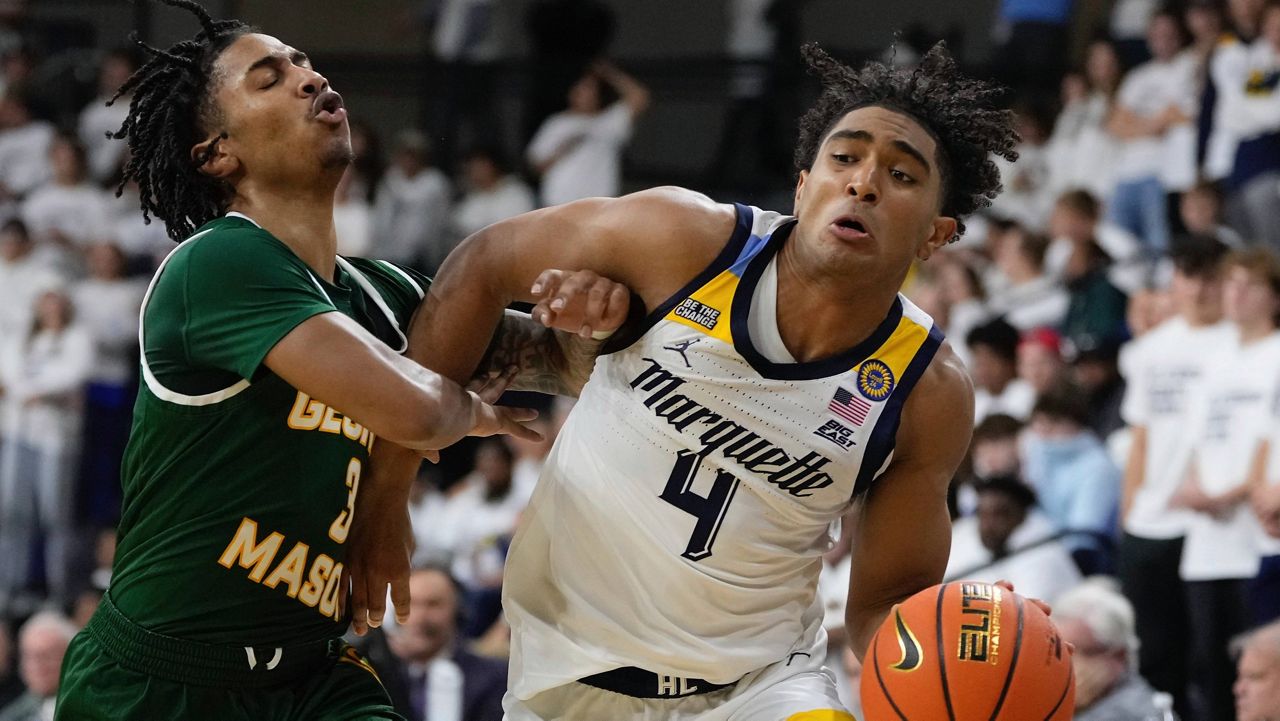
<point>1117,307</point>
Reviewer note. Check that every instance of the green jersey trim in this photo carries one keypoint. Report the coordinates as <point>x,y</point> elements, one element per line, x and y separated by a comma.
<point>153,384</point>
<point>373,293</point>
<point>407,278</point>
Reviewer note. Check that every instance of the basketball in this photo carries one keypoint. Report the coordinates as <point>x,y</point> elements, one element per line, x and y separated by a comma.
<point>965,651</point>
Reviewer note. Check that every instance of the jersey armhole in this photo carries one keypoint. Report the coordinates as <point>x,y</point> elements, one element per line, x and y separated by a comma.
<point>729,255</point>
<point>883,439</point>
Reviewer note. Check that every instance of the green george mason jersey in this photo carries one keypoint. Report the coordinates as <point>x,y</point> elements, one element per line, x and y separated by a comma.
<point>239,489</point>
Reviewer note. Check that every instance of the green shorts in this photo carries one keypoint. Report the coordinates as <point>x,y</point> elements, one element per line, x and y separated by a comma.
<point>103,677</point>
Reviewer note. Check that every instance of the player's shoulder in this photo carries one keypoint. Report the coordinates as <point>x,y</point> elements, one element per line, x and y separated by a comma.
<point>229,241</point>
<point>231,254</point>
<point>939,413</point>
<point>683,206</point>
<point>946,379</point>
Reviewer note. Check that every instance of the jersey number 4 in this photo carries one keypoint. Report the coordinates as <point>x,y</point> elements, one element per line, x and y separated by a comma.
<point>708,509</point>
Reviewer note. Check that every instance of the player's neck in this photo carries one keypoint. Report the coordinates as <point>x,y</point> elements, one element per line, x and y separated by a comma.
<point>822,314</point>
<point>300,218</point>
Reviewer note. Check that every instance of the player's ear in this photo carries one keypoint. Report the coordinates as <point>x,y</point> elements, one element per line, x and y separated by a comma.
<point>804,174</point>
<point>213,158</point>
<point>943,230</point>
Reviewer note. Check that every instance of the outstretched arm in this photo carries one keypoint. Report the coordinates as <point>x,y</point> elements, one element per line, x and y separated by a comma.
<point>653,242</point>
<point>903,535</point>
<point>397,399</point>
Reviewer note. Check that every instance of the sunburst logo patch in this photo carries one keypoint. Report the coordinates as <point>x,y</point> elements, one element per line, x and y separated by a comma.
<point>875,380</point>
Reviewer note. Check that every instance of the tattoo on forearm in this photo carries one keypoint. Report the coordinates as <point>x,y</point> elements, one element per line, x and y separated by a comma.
<point>548,361</point>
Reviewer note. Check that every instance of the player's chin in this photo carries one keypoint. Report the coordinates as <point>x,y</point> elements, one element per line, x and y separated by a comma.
<point>336,153</point>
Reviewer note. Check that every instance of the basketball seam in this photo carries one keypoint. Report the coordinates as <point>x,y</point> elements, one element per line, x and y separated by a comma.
<point>875,660</point>
<point>1070,677</point>
<point>942,656</point>
<point>1013,664</point>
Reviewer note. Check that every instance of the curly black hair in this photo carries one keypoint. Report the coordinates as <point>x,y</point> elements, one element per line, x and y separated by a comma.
<point>959,112</point>
<point>171,110</point>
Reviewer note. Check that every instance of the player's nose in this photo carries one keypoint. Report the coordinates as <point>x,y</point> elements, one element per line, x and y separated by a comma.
<point>863,183</point>
<point>311,83</point>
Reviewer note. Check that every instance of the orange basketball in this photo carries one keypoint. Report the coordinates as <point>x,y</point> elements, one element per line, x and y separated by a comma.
<point>967,651</point>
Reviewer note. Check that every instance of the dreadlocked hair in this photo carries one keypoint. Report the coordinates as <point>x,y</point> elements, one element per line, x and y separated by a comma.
<point>959,112</point>
<point>171,110</point>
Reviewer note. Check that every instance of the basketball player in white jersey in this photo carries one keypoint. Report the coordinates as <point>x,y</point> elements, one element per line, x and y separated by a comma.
<point>668,561</point>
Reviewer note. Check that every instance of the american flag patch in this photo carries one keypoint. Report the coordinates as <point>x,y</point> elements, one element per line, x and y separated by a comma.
<point>849,407</point>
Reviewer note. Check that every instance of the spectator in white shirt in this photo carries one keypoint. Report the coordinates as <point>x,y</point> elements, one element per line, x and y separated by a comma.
<point>492,193</point>
<point>1028,193</point>
<point>411,213</point>
<point>1155,98</point>
<point>42,378</point>
<point>24,146</point>
<point>1200,208</point>
<point>961,291</point>
<point>69,211</point>
<point>1008,540</point>
<point>1221,554</point>
<point>1081,151</point>
<point>994,451</point>
<point>144,243</point>
<point>1076,223</point>
<point>352,217</point>
<point>25,273</point>
<point>578,152</point>
<point>98,118</point>
<point>1030,298</point>
<point>997,388</point>
<point>1166,368</point>
<point>107,305</point>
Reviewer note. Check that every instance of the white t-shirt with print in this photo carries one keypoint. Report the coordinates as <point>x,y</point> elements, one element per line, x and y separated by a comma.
<point>1167,368</point>
<point>1240,387</point>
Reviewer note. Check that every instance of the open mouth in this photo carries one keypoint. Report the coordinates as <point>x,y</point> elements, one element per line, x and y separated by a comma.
<point>851,227</point>
<point>328,108</point>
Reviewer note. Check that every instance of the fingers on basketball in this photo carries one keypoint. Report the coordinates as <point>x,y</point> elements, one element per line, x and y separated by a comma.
<point>968,650</point>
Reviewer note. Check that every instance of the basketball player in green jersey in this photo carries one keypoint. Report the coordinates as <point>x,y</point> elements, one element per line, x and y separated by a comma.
<point>270,369</point>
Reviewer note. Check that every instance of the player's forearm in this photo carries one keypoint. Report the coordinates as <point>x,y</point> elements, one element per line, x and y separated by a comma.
<point>861,623</point>
<point>547,361</point>
<point>461,313</point>
<point>445,411</point>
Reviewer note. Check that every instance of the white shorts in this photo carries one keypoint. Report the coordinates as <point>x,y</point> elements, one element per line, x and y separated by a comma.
<point>799,688</point>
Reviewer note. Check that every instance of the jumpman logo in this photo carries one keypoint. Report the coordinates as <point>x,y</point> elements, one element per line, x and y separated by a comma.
<point>681,347</point>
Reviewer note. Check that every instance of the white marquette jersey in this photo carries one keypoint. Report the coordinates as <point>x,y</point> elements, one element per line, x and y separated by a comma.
<point>681,517</point>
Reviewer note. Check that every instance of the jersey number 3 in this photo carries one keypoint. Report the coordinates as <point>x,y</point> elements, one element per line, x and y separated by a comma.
<point>709,509</point>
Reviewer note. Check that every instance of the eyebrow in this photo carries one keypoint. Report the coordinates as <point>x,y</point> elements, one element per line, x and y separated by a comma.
<point>297,57</point>
<point>901,145</point>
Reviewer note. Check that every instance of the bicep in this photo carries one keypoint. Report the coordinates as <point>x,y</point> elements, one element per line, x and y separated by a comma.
<point>903,538</point>
<point>652,242</point>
